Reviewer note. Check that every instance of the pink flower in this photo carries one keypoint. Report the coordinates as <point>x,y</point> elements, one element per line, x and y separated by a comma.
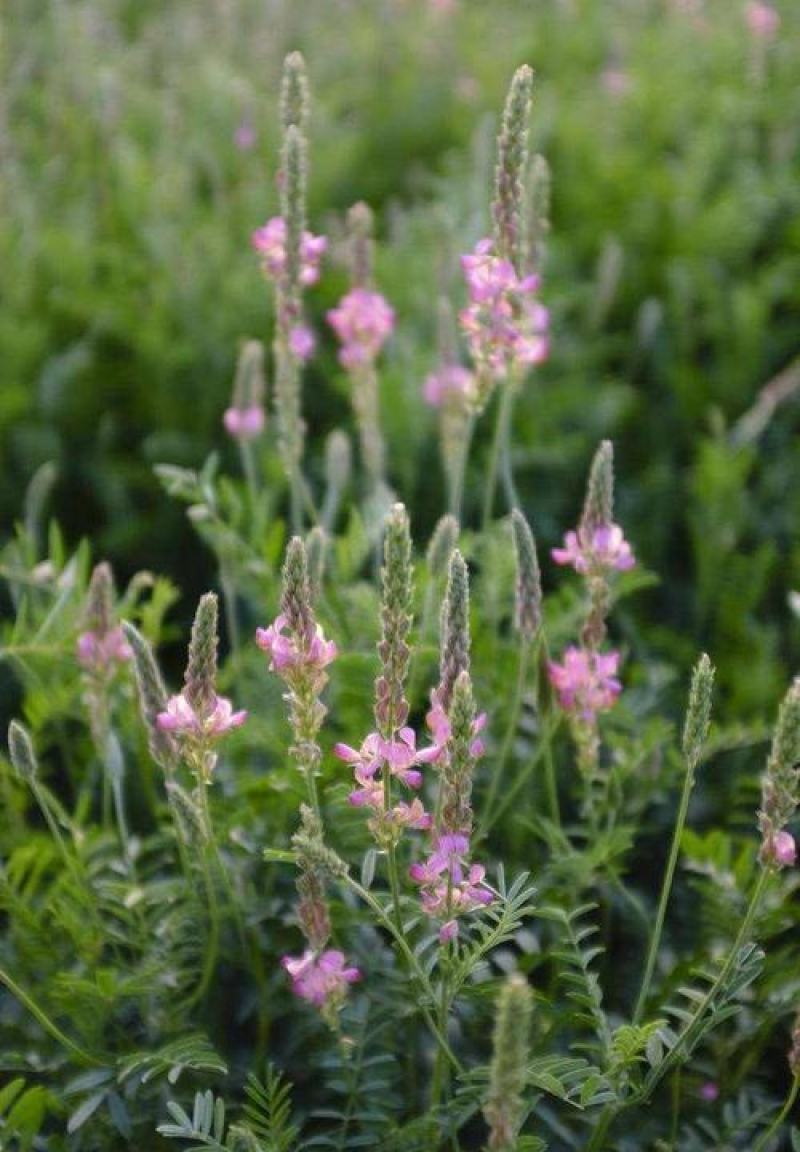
<point>438,724</point>
<point>244,423</point>
<point>270,242</point>
<point>99,651</point>
<point>321,979</point>
<point>505,325</point>
<point>180,716</point>
<point>245,136</point>
<point>302,342</point>
<point>709,1091</point>
<point>450,382</point>
<point>586,682</point>
<point>400,754</point>
<point>616,81</point>
<point>763,21</point>
<point>450,886</point>
<point>605,547</point>
<point>362,321</point>
<point>287,654</point>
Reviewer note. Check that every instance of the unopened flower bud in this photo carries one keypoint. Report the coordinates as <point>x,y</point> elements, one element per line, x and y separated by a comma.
<point>698,713</point>
<point>316,548</point>
<point>504,1105</point>
<point>598,508</point>
<point>391,707</point>
<point>296,598</point>
<point>442,543</point>
<point>152,697</point>
<point>201,670</point>
<point>528,604</point>
<point>455,634</point>
<point>294,92</point>
<point>511,170</point>
<point>21,751</point>
<point>359,229</point>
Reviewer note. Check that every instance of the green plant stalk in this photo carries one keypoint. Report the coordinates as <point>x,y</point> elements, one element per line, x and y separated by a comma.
<point>523,660</point>
<point>499,442</point>
<point>458,474</point>
<point>413,964</point>
<point>46,1023</point>
<point>666,889</point>
<point>788,1104</point>
<point>543,752</point>
<point>672,1059</point>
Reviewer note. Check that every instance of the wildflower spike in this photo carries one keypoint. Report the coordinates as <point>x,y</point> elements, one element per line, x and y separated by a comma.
<point>455,637</point>
<point>20,749</point>
<point>201,669</point>
<point>598,508</point>
<point>528,603</point>
<point>698,713</point>
<point>152,697</point>
<point>511,170</point>
<point>504,1104</point>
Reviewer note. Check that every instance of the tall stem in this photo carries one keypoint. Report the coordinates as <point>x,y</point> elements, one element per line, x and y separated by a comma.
<point>500,434</point>
<point>523,659</point>
<point>666,888</point>
<point>46,1023</point>
<point>765,1138</point>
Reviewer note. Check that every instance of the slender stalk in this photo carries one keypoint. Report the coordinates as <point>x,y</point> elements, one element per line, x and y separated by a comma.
<point>399,936</point>
<point>46,1023</point>
<point>666,889</point>
<point>543,752</point>
<point>765,1137</point>
<point>500,434</point>
<point>459,472</point>
<point>523,660</point>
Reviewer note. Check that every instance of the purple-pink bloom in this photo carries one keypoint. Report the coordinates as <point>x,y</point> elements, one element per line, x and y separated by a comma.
<point>287,654</point>
<point>709,1091</point>
<point>245,136</point>
<point>604,546</point>
<point>400,754</point>
<point>101,650</point>
<point>321,979</point>
<point>450,885</point>
<point>180,716</point>
<point>302,342</point>
<point>763,21</point>
<point>506,326</point>
<point>586,681</point>
<point>450,382</point>
<point>438,723</point>
<point>244,423</point>
<point>363,321</point>
<point>270,242</point>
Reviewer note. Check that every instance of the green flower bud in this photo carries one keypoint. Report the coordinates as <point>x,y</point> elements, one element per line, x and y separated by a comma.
<point>295,102</point>
<point>511,170</point>
<point>455,635</point>
<point>698,713</point>
<point>528,604</point>
<point>359,230</point>
<point>201,670</point>
<point>152,697</point>
<point>391,707</point>
<point>21,751</point>
<point>504,1107</point>
<point>443,541</point>
<point>598,506</point>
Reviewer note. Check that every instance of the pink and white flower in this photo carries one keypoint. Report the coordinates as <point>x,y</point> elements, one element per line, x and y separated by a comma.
<point>400,754</point>
<point>450,885</point>
<point>270,242</point>
<point>586,681</point>
<point>604,546</point>
<point>289,653</point>
<point>180,716</point>
<point>320,978</point>
<point>100,650</point>
<point>763,21</point>
<point>245,423</point>
<point>451,382</point>
<point>363,321</point>
<point>438,723</point>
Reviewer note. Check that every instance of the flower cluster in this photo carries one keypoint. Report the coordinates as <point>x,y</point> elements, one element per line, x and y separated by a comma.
<point>99,650</point>
<point>270,242</point>
<point>321,978</point>
<point>763,21</point>
<point>204,724</point>
<point>595,548</point>
<point>451,382</point>
<point>401,758</point>
<point>244,423</point>
<point>450,885</point>
<point>441,729</point>
<point>362,321</point>
<point>294,653</point>
<point>506,326</point>
<point>586,682</point>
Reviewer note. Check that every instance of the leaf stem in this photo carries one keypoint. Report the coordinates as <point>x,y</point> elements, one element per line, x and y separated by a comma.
<point>46,1023</point>
<point>765,1137</point>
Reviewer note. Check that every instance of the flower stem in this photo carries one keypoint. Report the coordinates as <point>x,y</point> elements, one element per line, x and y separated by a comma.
<point>523,660</point>
<point>501,429</point>
<point>46,1023</point>
<point>765,1138</point>
<point>666,888</point>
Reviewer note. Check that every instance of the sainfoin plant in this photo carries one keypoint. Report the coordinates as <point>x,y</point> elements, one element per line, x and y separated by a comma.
<point>421,864</point>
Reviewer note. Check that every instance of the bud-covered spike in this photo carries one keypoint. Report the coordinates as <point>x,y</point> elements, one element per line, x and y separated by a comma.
<point>780,787</point>
<point>391,707</point>
<point>442,543</point>
<point>100,600</point>
<point>338,460</point>
<point>21,751</point>
<point>295,102</point>
<point>249,386</point>
<point>201,669</point>
<point>598,507</point>
<point>455,635</point>
<point>294,165</point>
<point>511,170</point>
<point>504,1107</point>
<point>316,548</point>
<point>359,230</point>
<point>528,604</point>
<point>538,222</point>
<point>698,713</point>
<point>152,697</point>
<point>296,598</point>
<point>457,770</point>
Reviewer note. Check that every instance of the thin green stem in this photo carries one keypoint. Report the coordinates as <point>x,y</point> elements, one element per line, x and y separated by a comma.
<point>459,472</point>
<point>500,431</point>
<point>46,1023</point>
<point>523,660</point>
<point>411,960</point>
<point>666,889</point>
<point>777,1123</point>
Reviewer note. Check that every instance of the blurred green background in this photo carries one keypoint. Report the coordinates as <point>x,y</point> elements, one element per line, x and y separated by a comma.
<point>138,143</point>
